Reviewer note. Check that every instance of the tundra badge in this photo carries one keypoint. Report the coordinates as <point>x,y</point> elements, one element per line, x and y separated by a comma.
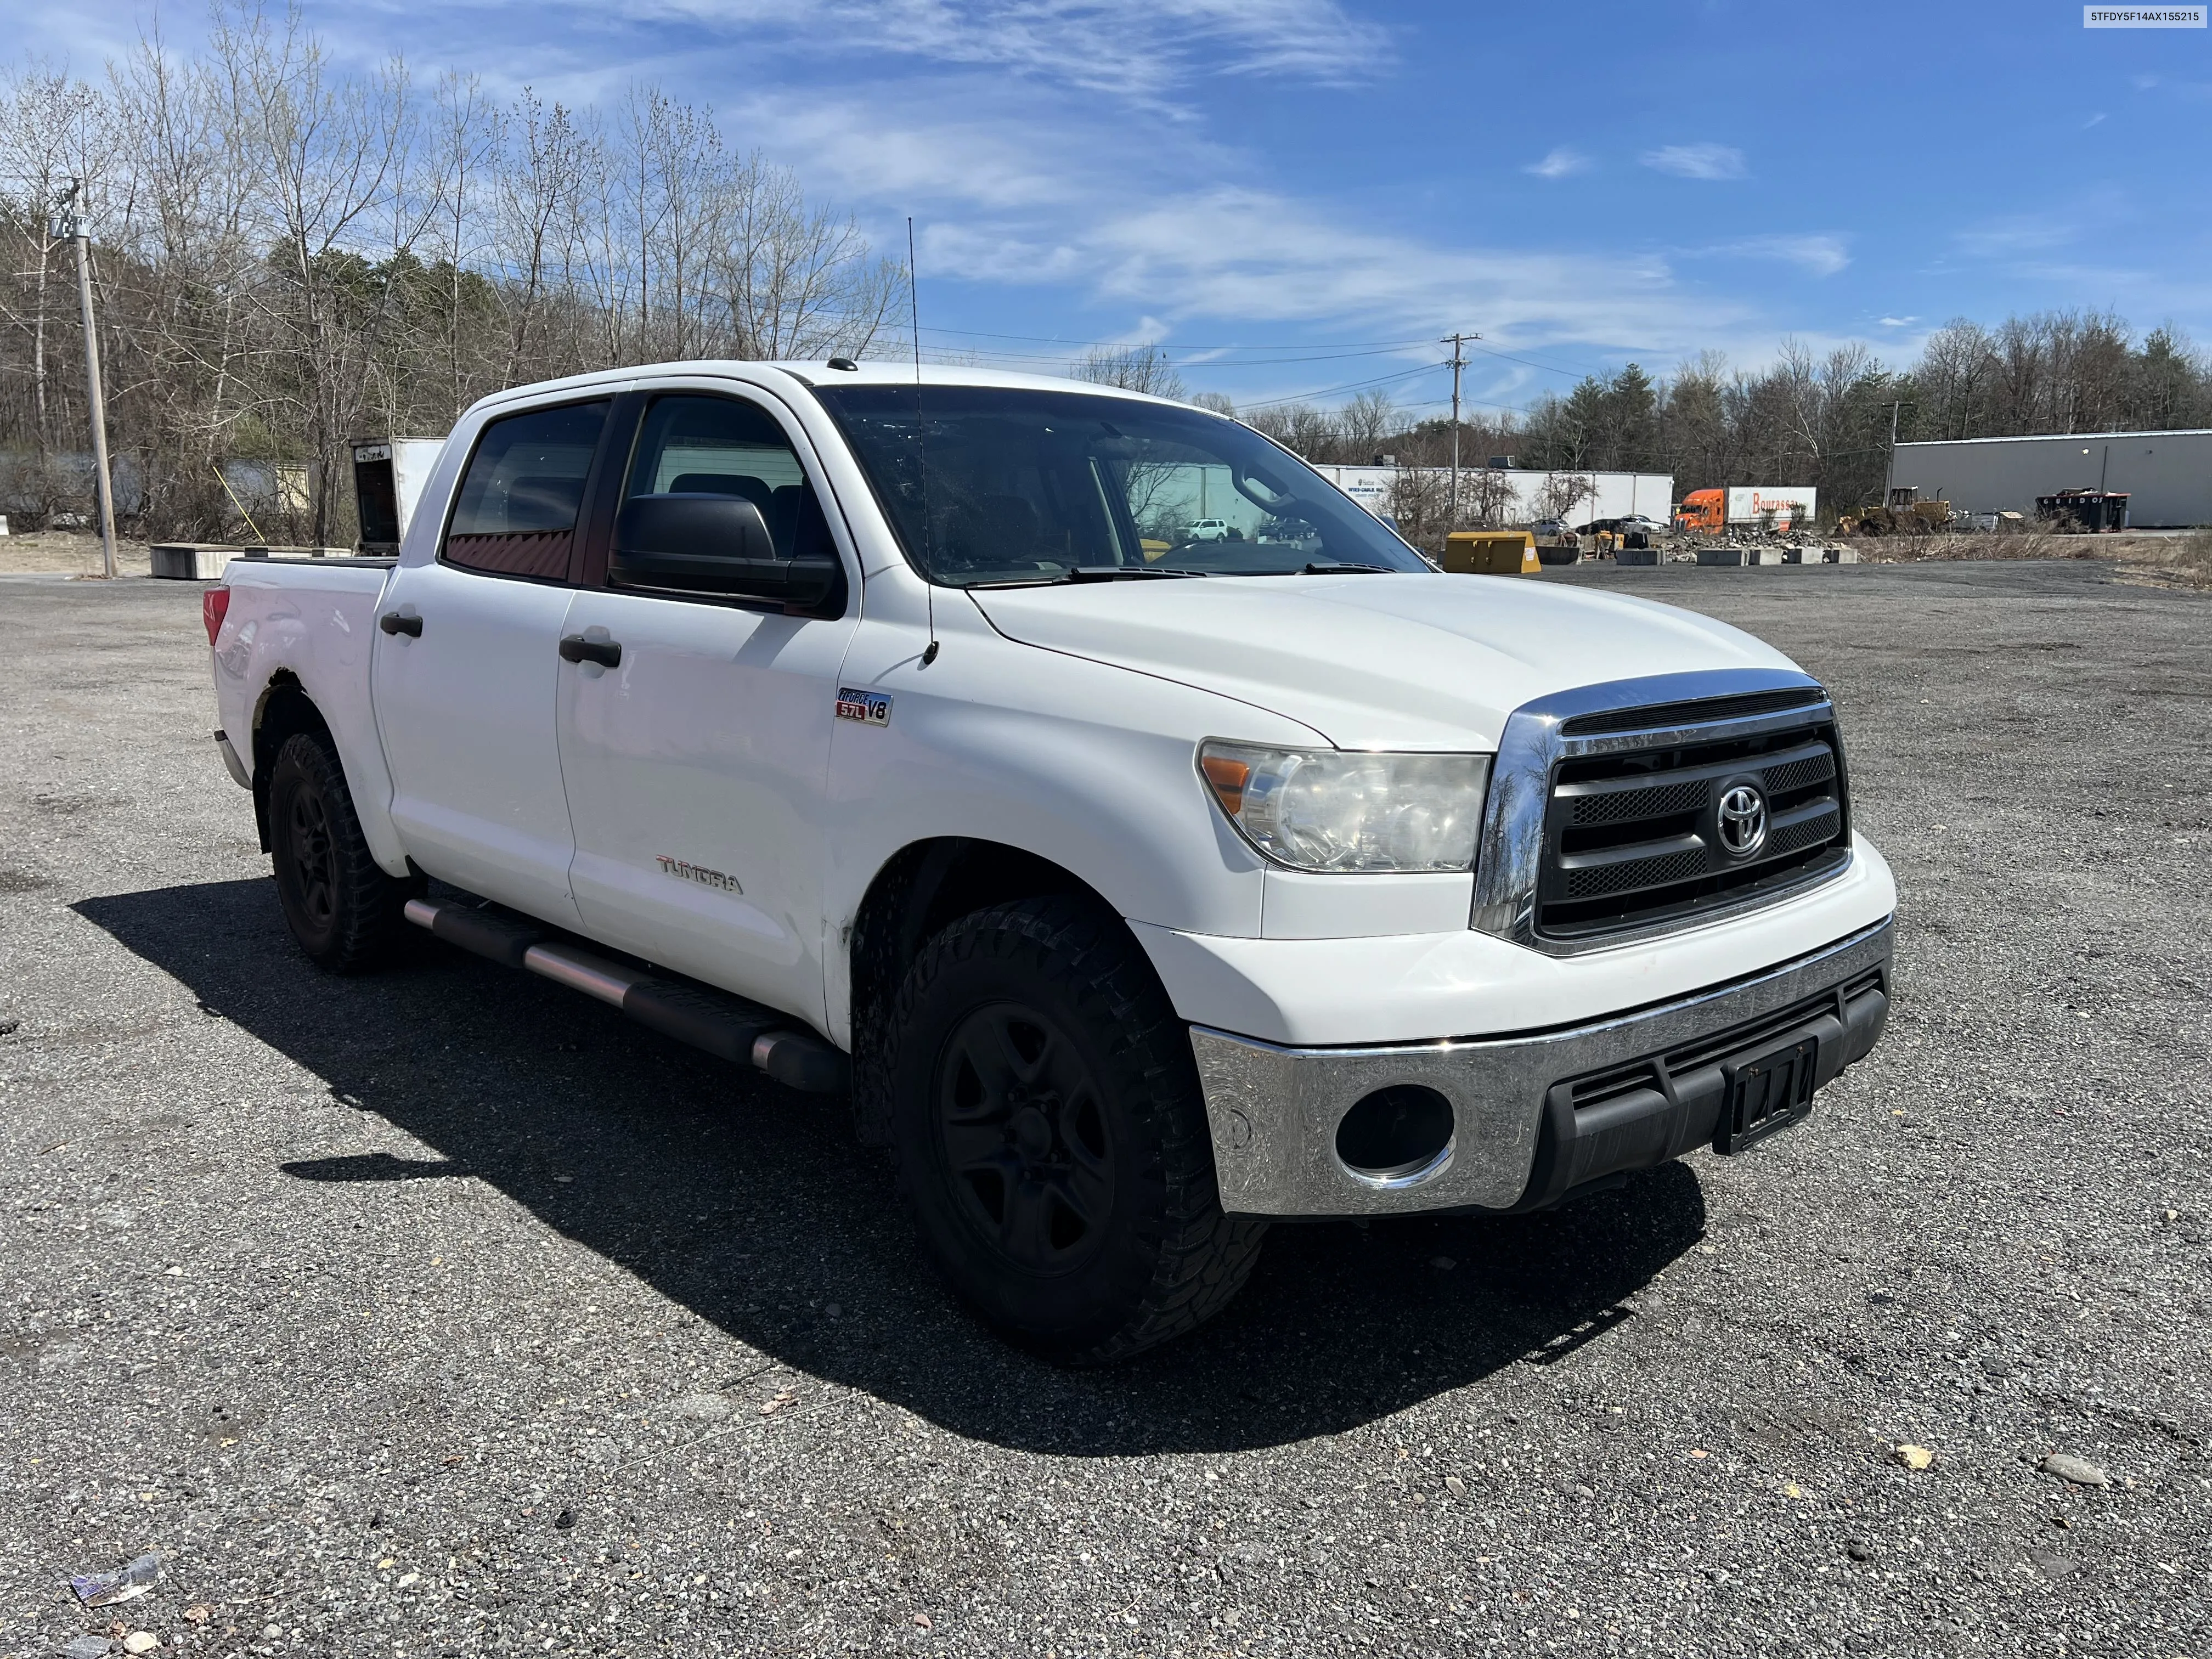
<point>869,708</point>
<point>684,870</point>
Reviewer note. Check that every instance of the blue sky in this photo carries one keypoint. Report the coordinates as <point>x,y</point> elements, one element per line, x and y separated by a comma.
<point>1581,183</point>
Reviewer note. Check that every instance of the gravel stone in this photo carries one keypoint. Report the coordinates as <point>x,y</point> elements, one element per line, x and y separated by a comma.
<point>2071,1469</point>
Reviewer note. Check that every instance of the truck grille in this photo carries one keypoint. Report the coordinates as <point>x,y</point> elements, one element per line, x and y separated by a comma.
<point>1634,836</point>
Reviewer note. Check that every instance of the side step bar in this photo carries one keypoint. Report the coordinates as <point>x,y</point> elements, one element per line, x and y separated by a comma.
<point>742,1032</point>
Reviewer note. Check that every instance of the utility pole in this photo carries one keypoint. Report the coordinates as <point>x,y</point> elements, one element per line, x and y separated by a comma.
<point>67,225</point>
<point>1458,363</point>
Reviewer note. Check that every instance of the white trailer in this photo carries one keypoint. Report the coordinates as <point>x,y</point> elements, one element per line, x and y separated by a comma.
<point>1764,506</point>
<point>1604,494</point>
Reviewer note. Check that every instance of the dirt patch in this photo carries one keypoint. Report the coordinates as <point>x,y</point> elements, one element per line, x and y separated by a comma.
<point>68,553</point>
<point>2183,562</point>
<point>2171,561</point>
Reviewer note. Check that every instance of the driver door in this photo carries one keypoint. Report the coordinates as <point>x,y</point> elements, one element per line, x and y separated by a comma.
<point>694,725</point>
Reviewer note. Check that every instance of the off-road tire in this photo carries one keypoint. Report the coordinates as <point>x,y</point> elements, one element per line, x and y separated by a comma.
<point>343,908</point>
<point>1164,1258</point>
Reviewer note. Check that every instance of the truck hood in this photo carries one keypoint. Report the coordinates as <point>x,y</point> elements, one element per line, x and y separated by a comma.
<point>1433,662</point>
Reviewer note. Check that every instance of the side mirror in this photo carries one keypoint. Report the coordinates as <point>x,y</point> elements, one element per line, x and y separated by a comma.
<point>696,544</point>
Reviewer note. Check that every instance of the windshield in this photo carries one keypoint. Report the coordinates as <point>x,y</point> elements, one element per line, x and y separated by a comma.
<point>1024,486</point>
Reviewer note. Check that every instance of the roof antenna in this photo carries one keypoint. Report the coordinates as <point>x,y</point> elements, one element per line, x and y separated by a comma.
<point>922,449</point>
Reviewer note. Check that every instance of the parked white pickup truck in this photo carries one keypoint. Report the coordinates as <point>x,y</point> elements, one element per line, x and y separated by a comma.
<point>896,735</point>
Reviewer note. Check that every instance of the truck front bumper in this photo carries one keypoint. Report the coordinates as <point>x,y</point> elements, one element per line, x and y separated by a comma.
<point>1533,1117</point>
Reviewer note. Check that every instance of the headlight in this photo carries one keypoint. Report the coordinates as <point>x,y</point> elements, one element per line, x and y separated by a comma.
<point>1328,808</point>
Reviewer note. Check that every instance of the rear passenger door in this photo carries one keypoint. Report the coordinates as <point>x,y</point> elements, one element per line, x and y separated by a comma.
<point>696,758</point>
<point>465,665</point>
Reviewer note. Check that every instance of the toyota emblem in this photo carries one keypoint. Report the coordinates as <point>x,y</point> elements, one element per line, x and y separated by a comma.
<point>1741,821</point>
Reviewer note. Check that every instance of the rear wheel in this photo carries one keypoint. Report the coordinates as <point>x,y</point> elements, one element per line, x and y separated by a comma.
<point>1051,1138</point>
<point>342,906</point>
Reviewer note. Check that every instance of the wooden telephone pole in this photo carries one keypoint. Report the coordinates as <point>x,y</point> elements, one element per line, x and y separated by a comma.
<point>68,226</point>
<point>1458,363</point>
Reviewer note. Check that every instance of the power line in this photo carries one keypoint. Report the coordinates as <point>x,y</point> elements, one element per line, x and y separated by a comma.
<point>1055,339</point>
<point>1184,365</point>
<point>1349,386</point>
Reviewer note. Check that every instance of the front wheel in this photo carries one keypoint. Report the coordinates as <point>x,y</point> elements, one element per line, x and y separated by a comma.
<point>1051,1138</point>
<point>345,912</point>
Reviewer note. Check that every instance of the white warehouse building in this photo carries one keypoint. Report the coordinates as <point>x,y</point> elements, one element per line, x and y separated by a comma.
<point>1617,495</point>
<point>2167,476</point>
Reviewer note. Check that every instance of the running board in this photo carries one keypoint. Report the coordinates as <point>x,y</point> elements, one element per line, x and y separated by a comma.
<point>742,1032</point>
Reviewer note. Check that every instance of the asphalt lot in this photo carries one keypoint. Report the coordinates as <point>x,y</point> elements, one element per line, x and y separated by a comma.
<point>441,1312</point>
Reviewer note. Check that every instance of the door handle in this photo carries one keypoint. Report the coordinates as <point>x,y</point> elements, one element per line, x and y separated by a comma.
<point>392,622</point>
<point>574,647</point>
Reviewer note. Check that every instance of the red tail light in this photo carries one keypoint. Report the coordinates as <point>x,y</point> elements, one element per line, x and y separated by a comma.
<point>214,604</point>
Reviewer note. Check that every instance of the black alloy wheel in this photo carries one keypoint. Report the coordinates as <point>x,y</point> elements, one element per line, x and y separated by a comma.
<point>1051,1134</point>
<point>1022,1132</point>
<point>346,911</point>
<point>315,858</point>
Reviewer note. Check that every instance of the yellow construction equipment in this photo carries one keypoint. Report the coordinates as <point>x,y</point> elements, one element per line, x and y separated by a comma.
<point>1490,553</point>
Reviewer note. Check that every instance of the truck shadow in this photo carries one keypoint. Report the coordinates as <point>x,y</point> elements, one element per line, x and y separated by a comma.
<point>753,1208</point>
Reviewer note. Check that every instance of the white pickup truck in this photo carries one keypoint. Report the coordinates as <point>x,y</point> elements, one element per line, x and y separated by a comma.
<point>894,733</point>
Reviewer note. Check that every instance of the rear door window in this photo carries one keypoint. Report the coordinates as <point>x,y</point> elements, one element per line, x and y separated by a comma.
<point>519,500</point>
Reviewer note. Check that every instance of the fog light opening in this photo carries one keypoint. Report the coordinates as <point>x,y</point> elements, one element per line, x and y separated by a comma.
<point>1396,1136</point>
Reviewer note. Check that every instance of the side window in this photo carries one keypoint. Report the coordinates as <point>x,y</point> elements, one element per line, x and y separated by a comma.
<point>722,446</point>
<point>516,514</point>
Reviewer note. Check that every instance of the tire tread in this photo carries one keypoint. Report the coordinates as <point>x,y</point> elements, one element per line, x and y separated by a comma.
<point>370,921</point>
<point>1201,1257</point>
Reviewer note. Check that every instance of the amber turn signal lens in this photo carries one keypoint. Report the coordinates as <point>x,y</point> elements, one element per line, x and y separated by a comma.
<point>1228,778</point>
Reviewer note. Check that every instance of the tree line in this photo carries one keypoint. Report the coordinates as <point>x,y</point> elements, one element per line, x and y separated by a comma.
<point>288,258</point>
<point>1806,418</point>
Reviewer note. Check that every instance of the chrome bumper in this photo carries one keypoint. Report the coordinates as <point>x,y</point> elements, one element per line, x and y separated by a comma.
<point>1274,1110</point>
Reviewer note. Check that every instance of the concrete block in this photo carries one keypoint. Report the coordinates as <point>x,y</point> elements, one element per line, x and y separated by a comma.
<point>192,561</point>
<point>1636,555</point>
<point>1843,555</point>
<point>1720,556</point>
<point>1762,555</point>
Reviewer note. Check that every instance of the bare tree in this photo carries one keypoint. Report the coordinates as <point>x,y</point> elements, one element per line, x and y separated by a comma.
<point>289,256</point>
<point>1132,368</point>
<point>1364,422</point>
<point>1561,493</point>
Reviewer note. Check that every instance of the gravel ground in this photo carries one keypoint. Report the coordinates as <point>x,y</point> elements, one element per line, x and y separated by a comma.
<point>441,1312</point>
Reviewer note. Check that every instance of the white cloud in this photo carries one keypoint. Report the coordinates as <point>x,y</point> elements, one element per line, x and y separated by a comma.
<point>1896,322</point>
<point>1012,188</point>
<point>1823,256</point>
<point>1999,239</point>
<point>1698,161</point>
<point>1559,164</point>
<point>1139,50</point>
<point>2092,120</point>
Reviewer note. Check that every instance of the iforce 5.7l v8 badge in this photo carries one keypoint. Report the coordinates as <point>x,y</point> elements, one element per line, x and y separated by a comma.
<point>869,708</point>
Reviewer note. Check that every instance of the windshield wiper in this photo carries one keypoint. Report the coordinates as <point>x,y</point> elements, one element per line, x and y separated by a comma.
<point>1088,573</point>
<point>1121,573</point>
<point>1318,568</point>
